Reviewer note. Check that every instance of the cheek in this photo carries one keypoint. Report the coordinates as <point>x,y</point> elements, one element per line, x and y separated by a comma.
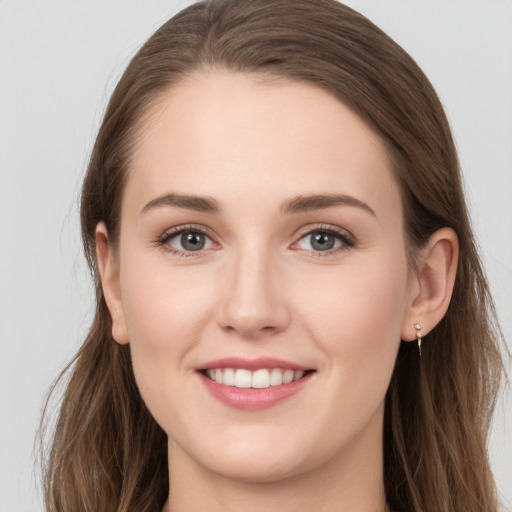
<point>355,316</point>
<point>162,304</point>
<point>165,311</point>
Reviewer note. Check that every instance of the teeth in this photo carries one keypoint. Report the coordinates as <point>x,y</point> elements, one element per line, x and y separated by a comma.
<point>276,377</point>
<point>288,376</point>
<point>259,379</point>
<point>229,377</point>
<point>242,378</point>
<point>298,375</point>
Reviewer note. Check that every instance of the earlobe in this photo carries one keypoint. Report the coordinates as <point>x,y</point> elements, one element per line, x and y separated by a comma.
<point>433,284</point>
<point>109,276</point>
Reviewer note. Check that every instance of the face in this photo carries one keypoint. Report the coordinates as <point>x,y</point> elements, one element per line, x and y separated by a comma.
<point>262,246</point>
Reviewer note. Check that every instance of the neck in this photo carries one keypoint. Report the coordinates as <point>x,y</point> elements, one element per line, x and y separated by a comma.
<point>350,481</point>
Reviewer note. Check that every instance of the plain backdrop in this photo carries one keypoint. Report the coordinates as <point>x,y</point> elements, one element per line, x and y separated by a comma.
<point>59,61</point>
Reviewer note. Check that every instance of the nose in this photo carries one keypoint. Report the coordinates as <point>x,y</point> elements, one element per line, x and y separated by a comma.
<point>254,304</point>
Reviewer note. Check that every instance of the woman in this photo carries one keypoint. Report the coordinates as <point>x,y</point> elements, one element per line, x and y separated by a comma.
<point>273,203</point>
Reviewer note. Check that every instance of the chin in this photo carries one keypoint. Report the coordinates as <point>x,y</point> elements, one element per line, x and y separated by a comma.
<point>263,471</point>
<point>264,460</point>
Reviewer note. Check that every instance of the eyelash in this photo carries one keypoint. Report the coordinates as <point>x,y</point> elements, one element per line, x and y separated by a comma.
<point>163,240</point>
<point>347,240</point>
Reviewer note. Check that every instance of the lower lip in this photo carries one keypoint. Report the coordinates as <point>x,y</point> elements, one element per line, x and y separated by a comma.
<point>253,399</point>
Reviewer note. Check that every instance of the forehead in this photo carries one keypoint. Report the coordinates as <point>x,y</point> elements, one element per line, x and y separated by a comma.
<point>232,135</point>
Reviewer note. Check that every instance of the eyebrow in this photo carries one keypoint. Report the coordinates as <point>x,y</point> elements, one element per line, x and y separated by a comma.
<point>318,202</point>
<point>196,203</point>
<point>296,204</point>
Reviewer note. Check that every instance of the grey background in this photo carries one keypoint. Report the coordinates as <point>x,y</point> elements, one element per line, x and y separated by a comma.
<point>58,63</point>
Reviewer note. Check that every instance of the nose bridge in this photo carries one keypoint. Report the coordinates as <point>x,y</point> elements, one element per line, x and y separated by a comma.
<point>254,301</point>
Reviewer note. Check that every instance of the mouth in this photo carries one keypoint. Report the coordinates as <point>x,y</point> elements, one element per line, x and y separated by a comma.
<point>254,384</point>
<point>260,378</point>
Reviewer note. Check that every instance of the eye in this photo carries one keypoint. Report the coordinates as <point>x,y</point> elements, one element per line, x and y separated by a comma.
<point>324,240</point>
<point>186,240</point>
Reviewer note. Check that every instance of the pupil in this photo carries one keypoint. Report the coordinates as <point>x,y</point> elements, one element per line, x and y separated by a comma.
<point>192,241</point>
<point>322,241</point>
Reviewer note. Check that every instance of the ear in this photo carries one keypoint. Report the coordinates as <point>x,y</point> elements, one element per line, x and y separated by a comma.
<point>432,283</point>
<point>109,275</point>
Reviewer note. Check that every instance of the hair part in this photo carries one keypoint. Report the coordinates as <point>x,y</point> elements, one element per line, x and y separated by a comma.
<point>111,455</point>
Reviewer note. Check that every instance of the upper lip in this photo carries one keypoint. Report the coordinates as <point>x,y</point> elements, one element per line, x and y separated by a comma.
<point>252,364</point>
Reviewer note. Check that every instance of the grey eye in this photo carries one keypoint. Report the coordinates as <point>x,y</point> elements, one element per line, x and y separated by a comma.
<point>193,241</point>
<point>321,241</point>
<point>189,241</point>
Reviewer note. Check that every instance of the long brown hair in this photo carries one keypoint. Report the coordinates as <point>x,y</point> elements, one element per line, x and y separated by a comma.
<point>108,453</point>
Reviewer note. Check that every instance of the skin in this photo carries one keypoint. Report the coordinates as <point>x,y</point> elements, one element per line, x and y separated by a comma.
<point>260,288</point>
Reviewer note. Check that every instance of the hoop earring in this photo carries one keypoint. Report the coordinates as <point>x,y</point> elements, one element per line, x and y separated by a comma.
<point>418,337</point>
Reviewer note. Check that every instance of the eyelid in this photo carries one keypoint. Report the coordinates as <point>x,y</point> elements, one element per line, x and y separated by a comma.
<point>347,239</point>
<point>331,228</point>
<point>175,230</point>
<point>161,240</point>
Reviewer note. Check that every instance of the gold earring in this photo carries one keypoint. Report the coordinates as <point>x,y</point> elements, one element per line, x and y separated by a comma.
<point>418,336</point>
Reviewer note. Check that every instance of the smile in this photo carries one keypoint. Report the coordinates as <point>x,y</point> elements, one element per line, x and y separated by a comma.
<point>253,384</point>
<point>258,379</point>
